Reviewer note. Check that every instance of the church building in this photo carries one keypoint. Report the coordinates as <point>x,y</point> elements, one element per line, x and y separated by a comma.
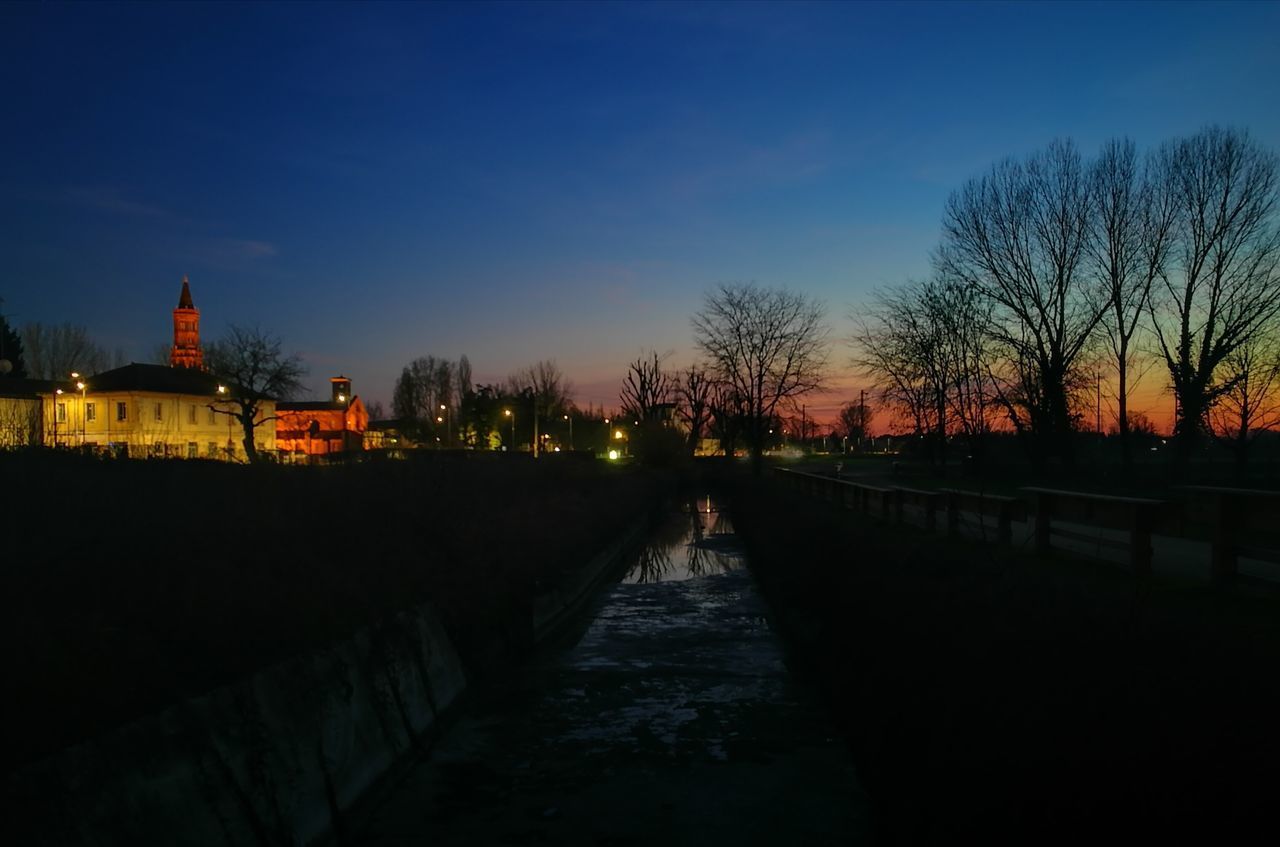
<point>324,427</point>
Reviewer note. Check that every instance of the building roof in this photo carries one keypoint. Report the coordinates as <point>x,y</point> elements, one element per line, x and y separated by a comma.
<point>184,301</point>
<point>160,379</point>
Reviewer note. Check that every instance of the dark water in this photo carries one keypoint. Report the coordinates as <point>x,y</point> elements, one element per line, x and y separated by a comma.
<point>671,720</point>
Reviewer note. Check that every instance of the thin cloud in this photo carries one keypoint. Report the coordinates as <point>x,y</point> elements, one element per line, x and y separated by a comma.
<point>110,199</point>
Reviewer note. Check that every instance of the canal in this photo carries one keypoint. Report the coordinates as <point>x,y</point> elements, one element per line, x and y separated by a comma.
<point>670,718</point>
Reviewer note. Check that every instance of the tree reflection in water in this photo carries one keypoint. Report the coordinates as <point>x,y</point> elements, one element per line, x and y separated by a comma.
<point>695,542</point>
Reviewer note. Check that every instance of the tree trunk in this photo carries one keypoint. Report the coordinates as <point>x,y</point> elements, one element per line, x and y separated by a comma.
<point>250,449</point>
<point>1122,423</point>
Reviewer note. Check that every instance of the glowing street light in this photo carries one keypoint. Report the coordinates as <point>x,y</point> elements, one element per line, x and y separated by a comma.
<point>56,394</point>
<point>448,425</point>
<point>570,420</point>
<point>80,384</point>
<point>511,415</point>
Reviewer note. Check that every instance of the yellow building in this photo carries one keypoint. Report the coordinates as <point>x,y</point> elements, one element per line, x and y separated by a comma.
<point>22,411</point>
<point>151,410</point>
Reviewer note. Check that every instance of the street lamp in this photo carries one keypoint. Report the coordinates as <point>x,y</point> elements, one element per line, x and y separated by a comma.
<point>80,383</point>
<point>570,420</point>
<point>56,394</point>
<point>606,435</point>
<point>448,425</point>
<point>511,415</point>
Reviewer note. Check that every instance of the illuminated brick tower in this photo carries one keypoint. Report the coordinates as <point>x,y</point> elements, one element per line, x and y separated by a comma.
<point>186,352</point>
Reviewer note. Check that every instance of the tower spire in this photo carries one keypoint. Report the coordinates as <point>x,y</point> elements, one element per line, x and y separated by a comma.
<point>186,351</point>
<point>184,301</point>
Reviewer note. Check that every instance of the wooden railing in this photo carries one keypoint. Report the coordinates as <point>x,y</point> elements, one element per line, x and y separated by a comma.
<point>1237,522</point>
<point>1240,521</point>
<point>1138,515</point>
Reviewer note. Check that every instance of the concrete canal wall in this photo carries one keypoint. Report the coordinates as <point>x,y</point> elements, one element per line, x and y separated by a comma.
<point>276,758</point>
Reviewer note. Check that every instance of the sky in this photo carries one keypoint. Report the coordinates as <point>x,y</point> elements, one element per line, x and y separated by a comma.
<point>374,183</point>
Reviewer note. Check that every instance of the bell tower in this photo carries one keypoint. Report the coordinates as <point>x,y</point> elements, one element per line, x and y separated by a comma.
<point>186,352</point>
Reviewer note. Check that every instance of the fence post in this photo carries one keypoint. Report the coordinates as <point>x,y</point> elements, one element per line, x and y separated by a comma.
<point>1223,556</point>
<point>1043,505</point>
<point>1005,531</point>
<point>1140,539</point>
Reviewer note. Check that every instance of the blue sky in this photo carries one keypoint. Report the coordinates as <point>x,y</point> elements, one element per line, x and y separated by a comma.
<point>517,182</point>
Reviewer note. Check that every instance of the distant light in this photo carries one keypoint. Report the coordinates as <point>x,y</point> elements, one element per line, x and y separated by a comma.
<point>442,408</point>
<point>342,398</point>
<point>613,454</point>
<point>557,450</point>
<point>439,419</point>
<point>222,389</point>
<point>75,375</point>
<point>58,391</point>
<point>80,385</point>
<point>617,434</point>
<point>506,412</point>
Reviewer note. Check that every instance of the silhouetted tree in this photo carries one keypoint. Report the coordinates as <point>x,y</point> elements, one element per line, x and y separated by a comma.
<point>766,345</point>
<point>543,391</point>
<point>694,388</point>
<point>1222,289</point>
<point>11,352</point>
<point>1019,237</point>
<point>1129,244</point>
<point>646,388</point>
<point>1251,403</point>
<point>54,352</point>
<point>252,369</point>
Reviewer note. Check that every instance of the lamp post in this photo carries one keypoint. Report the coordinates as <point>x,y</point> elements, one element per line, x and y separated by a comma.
<point>80,383</point>
<point>511,415</point>
<point>448,425</point>
<point>606,435</point>
<point>570,420</point>
<point>56,394</point>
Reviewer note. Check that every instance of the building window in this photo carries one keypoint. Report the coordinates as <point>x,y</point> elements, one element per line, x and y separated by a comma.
<point>191,414</point>
<point>62,413</point>
<point>122,411</point>
<point>91,412</point>
<point>159,411</point>
<point>213,450</point>
<point>212,415</point>
<point>193,449</point>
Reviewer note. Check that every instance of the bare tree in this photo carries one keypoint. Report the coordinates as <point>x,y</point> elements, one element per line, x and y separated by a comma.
<point>888,351</point>
<point>1129,244</point>
<point>424,385</point>
<point>253,370</point>
<point>1018,236</point>
<point>727,412</point>
<point>694,389</point>
<point>926,348</point>
<point>854,420</point>
<point>767,345</point>
<point>646,388</point>
<point>546,389</point>
<point>1222,289</point>
<point>54,352</point>
<point>1252,403</point>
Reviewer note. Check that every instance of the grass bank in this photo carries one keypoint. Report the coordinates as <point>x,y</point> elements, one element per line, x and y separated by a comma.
<point>131,584</point>
<point>987,694</point>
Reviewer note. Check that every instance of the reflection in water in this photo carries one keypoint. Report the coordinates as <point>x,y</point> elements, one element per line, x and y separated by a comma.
<point>698,541</point>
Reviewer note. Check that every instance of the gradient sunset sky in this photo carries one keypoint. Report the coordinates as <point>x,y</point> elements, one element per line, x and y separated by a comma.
<point>528,181</point>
